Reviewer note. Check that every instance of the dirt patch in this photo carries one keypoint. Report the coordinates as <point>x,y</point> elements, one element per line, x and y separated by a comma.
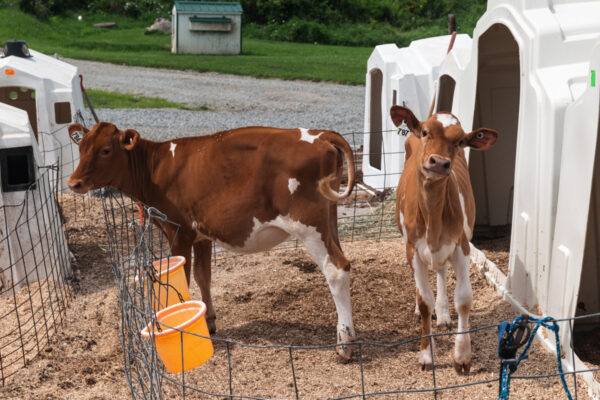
<point>278,297</point>
<point>29,316</point>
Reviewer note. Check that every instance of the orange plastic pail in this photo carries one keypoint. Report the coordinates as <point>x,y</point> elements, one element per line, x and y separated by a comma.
<point>171,274</point>
<point>177,342</point>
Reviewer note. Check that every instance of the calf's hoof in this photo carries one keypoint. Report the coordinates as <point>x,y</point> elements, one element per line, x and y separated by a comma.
<point>462,355</point>
<point>462,368</point>
<point>444,323</point>
<point>345,338</point>
<point>443,320</point>
<point>212,325</point>
<point>425,359</point>
<point>345,352</point>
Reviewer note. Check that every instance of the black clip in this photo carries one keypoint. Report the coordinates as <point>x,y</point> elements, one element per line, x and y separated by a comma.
<point>510,341</point>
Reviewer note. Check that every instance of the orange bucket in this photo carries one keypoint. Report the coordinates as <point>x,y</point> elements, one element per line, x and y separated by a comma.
<point>177,346</point>
<point>169,270</point>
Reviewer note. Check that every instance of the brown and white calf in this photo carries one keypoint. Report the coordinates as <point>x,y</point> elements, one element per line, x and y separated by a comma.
<point>435,210</point>
<point>246,189</point>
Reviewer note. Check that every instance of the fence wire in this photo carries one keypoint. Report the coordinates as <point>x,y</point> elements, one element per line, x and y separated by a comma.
<point>35,265</point>
<point>136,242</point>
<point>34,271</point>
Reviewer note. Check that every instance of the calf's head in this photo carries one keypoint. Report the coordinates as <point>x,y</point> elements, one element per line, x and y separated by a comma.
<point>441,139</point>
<point>103,155</point>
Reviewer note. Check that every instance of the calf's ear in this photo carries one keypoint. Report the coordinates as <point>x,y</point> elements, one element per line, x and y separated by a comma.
<point>404,119</point>
<point>128,139</point>
<point>482,138</point>
<point>76,132</point>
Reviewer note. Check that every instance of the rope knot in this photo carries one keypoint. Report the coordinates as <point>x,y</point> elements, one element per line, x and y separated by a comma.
<point>513,336</point>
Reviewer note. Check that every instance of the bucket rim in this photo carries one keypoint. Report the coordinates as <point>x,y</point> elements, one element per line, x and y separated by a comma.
<point>194,304</point>
<point>179,262</point>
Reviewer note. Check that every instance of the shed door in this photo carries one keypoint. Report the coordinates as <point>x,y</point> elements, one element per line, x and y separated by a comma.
<point>497,107</point>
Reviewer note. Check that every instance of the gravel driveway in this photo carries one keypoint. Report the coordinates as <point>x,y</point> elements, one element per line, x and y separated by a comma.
<point>236,100</point>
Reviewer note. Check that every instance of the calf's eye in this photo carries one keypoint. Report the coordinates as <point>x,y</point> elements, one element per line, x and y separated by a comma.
<point>461,143</point>
<point>105,151</point>
<point>424,133</point>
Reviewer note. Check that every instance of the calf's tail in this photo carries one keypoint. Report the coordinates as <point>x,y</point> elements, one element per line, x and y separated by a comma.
<point>325,183</point>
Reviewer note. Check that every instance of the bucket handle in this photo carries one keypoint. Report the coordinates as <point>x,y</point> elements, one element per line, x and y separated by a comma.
<point>155,279</point>
<point>157,214</point>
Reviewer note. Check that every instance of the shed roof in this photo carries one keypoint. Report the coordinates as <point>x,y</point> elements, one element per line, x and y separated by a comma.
<point>209,6</point>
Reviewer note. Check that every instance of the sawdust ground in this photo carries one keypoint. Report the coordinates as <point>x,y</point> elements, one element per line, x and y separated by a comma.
<point>276,298</point>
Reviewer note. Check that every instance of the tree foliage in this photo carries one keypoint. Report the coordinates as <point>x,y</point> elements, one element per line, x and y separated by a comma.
<point>401,13</point>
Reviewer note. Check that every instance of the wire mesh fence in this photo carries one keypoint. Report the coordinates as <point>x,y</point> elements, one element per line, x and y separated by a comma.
<point>34,271</point>
<point>36,299</point>
<point>136,241</point>
<point>35,266</point>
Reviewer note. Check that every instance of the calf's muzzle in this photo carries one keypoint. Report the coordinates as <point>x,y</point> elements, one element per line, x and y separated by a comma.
<point>437,164</point>
<point>76,185</point>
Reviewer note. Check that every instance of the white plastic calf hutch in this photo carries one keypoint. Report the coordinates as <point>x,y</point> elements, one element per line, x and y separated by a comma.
<point>528,76</point>
<point>24,209</point>
<point>206,27</point>
<point>49,91</point>
<point>402,76</point>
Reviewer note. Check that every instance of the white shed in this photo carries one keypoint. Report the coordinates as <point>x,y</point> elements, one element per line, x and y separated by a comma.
<point>528,76</point>
<point>403,76</point>
<point>49,91</point>
<point>206,27</point>
<point>27,203</point>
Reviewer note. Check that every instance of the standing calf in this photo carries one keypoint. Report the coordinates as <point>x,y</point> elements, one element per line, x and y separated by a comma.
<point>435,210</point>
<point>246,189</point>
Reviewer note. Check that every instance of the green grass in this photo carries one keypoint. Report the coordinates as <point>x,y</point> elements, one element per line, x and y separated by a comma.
<point>127,45</point>
<point>106,99</point>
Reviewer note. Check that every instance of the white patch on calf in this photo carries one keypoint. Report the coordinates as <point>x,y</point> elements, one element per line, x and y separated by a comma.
<point>422,282</point>
<point>404,237</point>
<point>293,184</point>
<point>446,119</point>
<point>307,137</point>
<point>441,298</point>
<point>435,259</point>
<point>264,236</point>
<point>172,148</point>
<point>466,226</point>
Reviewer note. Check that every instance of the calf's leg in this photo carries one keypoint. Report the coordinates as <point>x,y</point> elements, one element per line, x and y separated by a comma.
<point>182,247</point>
<point>202,276</point>
<point>425,301</point>
<point>335,267</point>
<point>463,298</point>
<point>441,299</point>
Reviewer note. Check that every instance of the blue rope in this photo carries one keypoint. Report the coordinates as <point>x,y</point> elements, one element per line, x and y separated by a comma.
<point>509,366</point>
